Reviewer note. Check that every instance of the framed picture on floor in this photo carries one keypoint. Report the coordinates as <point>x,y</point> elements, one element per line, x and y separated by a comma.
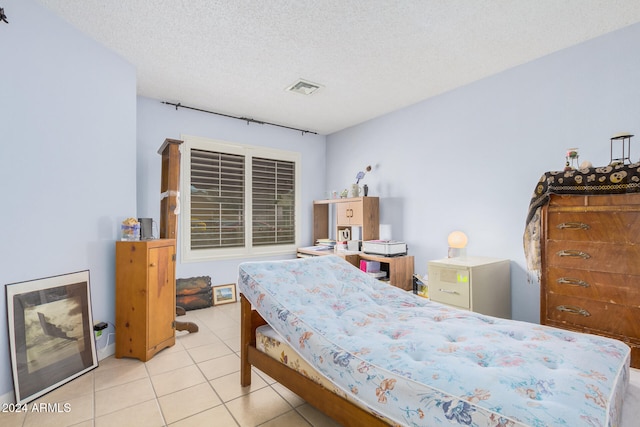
<point>224,294</point>
<point>50,333</point>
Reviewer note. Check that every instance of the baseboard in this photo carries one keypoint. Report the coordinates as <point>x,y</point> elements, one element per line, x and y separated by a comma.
<point>110,350</point>
<point>8,397</point>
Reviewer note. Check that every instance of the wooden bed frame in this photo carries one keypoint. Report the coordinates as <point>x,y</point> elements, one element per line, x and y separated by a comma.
<point>336,407</point>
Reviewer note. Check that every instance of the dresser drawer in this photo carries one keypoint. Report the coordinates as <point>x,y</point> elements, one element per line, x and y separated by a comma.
<point>450,286</point>
<point>616,288</point>
<point>595,256</point>
<point>609,318</point>
<point>594,226</point>
<point>450,293</point>
<point>609,202</point>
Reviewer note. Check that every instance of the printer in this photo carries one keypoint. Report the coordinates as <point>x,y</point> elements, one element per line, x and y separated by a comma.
<point>384,247</point>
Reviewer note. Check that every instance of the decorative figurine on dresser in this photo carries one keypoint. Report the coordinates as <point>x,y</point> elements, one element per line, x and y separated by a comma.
<point>582,238</point>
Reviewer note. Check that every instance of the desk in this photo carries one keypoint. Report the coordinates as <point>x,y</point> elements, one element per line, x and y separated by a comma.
<point>399,268</point>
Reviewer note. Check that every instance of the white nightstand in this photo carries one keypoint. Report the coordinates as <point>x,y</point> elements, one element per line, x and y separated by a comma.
<point>479,284</point>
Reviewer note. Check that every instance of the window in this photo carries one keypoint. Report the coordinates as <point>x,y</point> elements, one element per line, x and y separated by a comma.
<point>242,200</point>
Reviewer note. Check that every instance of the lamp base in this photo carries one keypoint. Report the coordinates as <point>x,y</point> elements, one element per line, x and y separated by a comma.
<point>457,252</point>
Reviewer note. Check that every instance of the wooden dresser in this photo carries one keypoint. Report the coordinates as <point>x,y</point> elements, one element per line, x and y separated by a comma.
<point>590,247</point>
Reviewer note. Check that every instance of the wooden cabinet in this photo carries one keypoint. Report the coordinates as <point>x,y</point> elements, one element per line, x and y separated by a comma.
<point>145,297</point>
<point>361,212</point>
<point>479,284</point>
<point>591,266</point>
<point>350,213</point>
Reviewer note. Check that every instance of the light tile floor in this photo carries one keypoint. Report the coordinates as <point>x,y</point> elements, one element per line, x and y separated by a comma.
<point>194,383</point>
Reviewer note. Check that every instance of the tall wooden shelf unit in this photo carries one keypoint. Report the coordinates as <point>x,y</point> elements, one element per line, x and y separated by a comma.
<point>169,201</point>
<point>145,297</point>
<point>169,187</point>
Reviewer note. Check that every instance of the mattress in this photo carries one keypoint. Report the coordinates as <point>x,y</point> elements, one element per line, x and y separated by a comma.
<point>269,342</point>
<point>418,363</point>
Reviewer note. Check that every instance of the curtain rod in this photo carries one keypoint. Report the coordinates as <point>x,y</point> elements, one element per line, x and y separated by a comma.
<point>244,119</point>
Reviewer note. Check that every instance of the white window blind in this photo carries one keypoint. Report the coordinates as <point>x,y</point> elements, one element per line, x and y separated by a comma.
<point>273,200</point>
<point>242,200</point>
<point>217,200</point>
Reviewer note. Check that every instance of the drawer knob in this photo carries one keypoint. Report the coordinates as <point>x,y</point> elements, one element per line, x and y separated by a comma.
<point>448,291</point>
<point>573,226</point>
<point>573,310</point>
<point>572,282</point>
<point>573,253</point>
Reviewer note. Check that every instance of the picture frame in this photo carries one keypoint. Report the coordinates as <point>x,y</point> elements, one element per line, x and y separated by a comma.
<point>51,337</point>
<point>224,294</point>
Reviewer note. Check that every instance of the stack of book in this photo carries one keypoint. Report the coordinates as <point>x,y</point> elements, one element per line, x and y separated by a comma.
<point>328,244</point>
<point>377,274</point>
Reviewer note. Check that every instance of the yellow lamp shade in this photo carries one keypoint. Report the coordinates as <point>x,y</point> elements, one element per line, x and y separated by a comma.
<point>457,239</point>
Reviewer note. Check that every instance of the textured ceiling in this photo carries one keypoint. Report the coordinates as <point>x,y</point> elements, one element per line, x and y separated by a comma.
<point>371,57</point>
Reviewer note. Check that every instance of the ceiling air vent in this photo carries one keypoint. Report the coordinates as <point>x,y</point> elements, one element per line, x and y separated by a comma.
<point>304,87</point>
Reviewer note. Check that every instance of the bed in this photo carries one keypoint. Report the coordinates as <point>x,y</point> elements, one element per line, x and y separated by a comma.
<point>393,358</point>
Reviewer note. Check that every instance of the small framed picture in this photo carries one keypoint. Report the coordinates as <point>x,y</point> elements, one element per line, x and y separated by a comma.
<point>50,333</point>
<point>224,294</point>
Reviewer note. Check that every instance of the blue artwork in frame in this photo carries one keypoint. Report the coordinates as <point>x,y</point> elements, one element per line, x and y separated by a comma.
<point>224,294</point>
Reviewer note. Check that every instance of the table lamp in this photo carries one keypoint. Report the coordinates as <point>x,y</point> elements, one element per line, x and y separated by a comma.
<point>457,244</point>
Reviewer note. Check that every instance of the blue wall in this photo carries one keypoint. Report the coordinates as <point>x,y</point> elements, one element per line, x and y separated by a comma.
<point>67,157</point>
<point>470,159</point>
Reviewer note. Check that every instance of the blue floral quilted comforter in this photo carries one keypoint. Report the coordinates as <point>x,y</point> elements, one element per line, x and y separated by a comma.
<point>420,363</point>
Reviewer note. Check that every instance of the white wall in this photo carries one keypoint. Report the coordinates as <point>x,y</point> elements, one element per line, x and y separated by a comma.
<point>67,157</point>
<point>470,159</point>
<point>157,121</point>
